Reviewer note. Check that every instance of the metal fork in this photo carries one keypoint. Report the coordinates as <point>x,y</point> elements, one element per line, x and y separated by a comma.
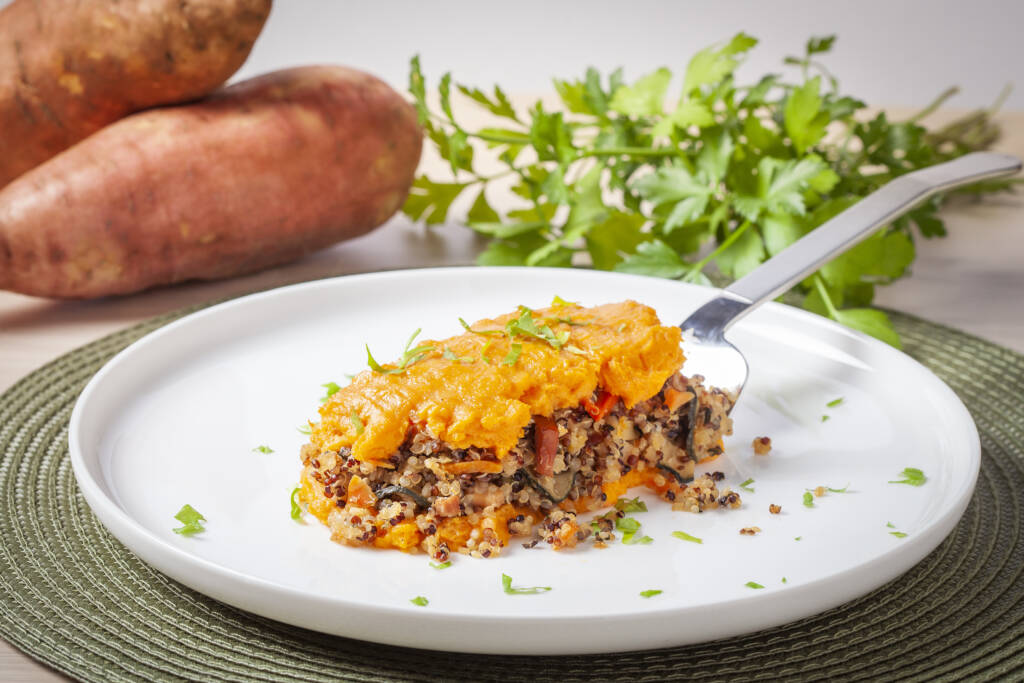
<point>722,365</point>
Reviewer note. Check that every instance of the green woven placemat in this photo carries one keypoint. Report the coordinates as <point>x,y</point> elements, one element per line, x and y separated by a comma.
<point>73,597</point>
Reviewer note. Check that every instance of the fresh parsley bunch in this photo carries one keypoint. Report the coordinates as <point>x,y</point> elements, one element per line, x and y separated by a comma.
<point>710,187</point>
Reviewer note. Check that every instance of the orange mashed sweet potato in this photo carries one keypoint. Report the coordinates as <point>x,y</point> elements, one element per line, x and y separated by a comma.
<point>620,347</point>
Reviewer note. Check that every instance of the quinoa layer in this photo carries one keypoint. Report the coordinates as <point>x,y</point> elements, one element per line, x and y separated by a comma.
<point>440,500</point>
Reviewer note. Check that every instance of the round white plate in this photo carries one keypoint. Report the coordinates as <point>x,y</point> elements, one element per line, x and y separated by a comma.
<point>175,419</point>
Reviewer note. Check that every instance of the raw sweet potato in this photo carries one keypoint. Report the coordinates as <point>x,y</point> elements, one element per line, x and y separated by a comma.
<point>69,68</point>
<point>259,173</point>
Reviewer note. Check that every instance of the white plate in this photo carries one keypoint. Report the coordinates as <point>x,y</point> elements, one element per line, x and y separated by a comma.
<point>175,417</point>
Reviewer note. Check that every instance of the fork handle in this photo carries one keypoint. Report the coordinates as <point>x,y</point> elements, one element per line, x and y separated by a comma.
<point>835,236</point>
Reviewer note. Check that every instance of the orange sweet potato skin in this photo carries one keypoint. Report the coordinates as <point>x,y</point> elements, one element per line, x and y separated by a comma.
<point>69,68</point>
<point>258,174</point>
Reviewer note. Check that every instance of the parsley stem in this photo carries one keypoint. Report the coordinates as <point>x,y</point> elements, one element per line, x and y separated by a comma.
<point>726,243</point>
<point>488,178</point>
<point>630,151</point>
<point>819,285</point>
<point>935,104</point>
<point>493,137</point>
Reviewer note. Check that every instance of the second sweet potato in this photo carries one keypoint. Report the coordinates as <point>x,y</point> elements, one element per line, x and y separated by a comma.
<point>258,174</point>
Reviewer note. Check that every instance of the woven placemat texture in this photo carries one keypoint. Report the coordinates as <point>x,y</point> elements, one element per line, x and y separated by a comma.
<point>75,598</point>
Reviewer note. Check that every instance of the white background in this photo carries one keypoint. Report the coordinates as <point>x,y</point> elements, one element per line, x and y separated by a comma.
<point>889,52</point>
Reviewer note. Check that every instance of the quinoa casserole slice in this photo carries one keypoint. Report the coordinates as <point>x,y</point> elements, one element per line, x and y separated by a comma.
<point>513,429</point>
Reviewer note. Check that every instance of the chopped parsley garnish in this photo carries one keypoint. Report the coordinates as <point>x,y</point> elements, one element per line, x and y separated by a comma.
<point>420,601</point>
<point>835,402</point>
<point>630,505</point>
<point>506,584</point>
<point>627,524</point>
<point>828,488</point>
<point>808,499</point>
<point>784,580</point>
<point>192,520</point>
<point>571,323</point>
<point>897,534</point>
<point>650,593</point>
<point>560,302</point>
<point>409,356</point>
<point>753,584</point>
<point>357,422</point>
<point>630,528</point>
<point>486,333</point>
<point>483,352</point>
<point>296,508</point>
<point>912,476</point>
<point>631,538</point>
<point>304,429</point>
<point>331,388</point>
<point>797,538</point>
<point>526,326</point>
<point>746,485</point>
<point>263,449</point>
<point>513,354</point>
<point>442,565</point>
<point>448,354</point>
<point>824,418</point>
<point>682,535</point>
<point>621,328</point>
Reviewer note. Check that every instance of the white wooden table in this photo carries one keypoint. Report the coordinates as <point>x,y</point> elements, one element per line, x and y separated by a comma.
<point>973,280</point>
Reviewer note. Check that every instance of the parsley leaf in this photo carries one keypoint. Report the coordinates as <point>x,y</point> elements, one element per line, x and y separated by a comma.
<point>835,402</point>
<point>808,499</point>
<point>632,538</point>
<point>650,593</point>
<point>912,476</point>
<point>448,354</point>
<point>631,530</point>
<point>263,449</point>
<point>420,601</point>
<point>192,520</point>
<point>753,584</point>
<point>898,534</point>
<point>630,505</point>
<point>513,354</point>
<point>506,585</point>
<point>627,524</point>
<point>357,422</point>
<point>707,186</point>
<point>686,537</point>
<point>526,326</point>
<point>409,357</point>
<point>331,388</point>
<point>296,508</point>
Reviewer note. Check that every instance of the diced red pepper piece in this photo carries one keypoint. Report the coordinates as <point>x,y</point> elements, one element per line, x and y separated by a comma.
<point>545,439</point>
<point>605,403</point>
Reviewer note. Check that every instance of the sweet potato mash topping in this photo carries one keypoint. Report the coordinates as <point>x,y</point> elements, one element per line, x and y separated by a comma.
<point>474,390</point>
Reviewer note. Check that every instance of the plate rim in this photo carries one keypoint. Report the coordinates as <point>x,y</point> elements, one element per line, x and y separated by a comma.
<point>179,563</point>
